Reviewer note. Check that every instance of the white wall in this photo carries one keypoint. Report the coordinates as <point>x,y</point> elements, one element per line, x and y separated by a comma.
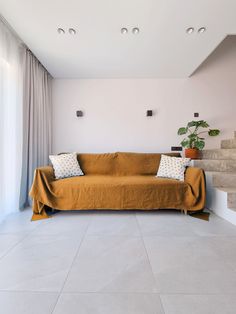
<point>114,110</point>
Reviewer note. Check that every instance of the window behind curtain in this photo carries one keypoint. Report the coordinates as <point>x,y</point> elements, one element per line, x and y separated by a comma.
<point>11,78</point>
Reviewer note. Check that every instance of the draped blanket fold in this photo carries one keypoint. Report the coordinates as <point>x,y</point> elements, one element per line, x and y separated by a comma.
<point>116,191</point>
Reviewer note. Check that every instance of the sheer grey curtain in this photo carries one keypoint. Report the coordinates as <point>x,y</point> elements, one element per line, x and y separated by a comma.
<point>11,102</point>
<point>37,117</point>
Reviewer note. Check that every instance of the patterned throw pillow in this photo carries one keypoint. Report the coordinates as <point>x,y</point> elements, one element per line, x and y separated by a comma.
<point>65,166</point>
<point>173,167</point>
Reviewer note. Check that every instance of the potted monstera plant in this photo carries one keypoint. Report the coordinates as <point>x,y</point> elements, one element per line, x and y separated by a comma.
<point>194,141</point>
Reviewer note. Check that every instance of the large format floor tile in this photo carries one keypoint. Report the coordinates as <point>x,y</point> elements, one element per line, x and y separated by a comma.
<point>20,223</point>
<point>108,304</point>
<point>225,247</point>
<point>189,265</point>
<point>38,263</point>
<point>164,223</point>
<point>115,224</point>
<point>173,223</point>
<point>199,304</point>
<point>216,226</point>
<point>111,264</point>
<point>65,223</point>
<point>108,262</point>
<point>27,302</point>
<point>8,241</point>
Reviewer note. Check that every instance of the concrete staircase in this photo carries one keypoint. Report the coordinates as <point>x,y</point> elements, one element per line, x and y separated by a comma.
<point>220,168</point>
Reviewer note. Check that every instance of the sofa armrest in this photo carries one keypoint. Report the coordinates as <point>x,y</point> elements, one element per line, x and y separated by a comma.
<point>41,191</point>
<point>195,178</point>
<point>46,171</point>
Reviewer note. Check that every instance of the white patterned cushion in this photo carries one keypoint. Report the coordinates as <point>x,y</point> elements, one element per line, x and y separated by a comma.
<point>65,165</point>
<point>173,167</point>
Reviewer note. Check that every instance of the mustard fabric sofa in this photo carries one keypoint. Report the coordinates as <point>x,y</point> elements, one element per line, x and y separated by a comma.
<point>117,181</point>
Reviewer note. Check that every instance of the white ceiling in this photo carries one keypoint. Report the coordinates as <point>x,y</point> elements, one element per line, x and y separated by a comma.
<point>162,49</point>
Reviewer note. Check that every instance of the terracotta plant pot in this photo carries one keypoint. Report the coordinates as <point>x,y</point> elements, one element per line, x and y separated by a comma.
<point>192,153</point>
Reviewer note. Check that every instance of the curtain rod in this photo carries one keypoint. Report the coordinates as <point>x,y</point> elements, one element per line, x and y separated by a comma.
<point>18,38</point>
<point>12,30</point>
<point>39,61</point>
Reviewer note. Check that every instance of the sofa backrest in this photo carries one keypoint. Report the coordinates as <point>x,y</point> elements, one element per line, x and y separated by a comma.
<point>98,163</point>
<point>121,164</point>
<point>139,163</point>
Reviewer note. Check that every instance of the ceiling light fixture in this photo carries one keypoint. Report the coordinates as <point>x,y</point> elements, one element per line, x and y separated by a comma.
<point>201,30</point>
<point>124,30</point>
<point>190,30</point>
<point>72,31</point>
<point>60,31</point>
<point>135,30</point>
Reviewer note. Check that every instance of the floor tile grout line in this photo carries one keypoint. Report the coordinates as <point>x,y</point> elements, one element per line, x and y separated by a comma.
<point>27,234</point>
<point>76,254</point>
<point>140,230</point>
<point>121,293</point>
<point>194,236</point>
<point>29,291</point>
<point>162,305</point>
<point>15,245</point>
<point>145,248</point>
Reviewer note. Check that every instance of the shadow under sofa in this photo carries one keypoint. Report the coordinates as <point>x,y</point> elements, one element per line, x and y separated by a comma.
<point>117,181</point>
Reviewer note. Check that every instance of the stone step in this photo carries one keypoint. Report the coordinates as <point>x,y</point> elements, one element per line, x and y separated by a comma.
<point>217,200</point>
<point>228,143</point>
<point>219,165</point>
<point>219,153</point>
<point>231,197</point>
<point>231,200</point>
<point>224,179</point>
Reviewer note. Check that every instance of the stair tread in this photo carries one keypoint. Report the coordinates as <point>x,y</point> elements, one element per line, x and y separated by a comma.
<point>213,160</point>
<point>218,149</point>
<point>227,189</point>
<point>221,173</point>
<point>229,143</point>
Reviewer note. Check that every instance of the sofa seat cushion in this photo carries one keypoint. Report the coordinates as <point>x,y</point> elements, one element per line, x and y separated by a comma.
<point>114,192</point>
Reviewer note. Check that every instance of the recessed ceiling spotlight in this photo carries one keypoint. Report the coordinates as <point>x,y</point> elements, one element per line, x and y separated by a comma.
<point>135,30</point>
<point>124,30</point>
<point>72,31</point>
<point>60,31</point>
<point>190,30</point>
<point>201,30</point>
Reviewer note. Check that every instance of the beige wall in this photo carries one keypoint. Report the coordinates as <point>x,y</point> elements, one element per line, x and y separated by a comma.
<point>114,110</point>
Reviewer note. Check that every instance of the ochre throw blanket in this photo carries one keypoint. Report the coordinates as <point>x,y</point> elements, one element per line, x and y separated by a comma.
<point>117,181</point>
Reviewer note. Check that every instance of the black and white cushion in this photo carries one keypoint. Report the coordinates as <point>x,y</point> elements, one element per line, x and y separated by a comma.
<point>173,167</point>
<point>65,166</point>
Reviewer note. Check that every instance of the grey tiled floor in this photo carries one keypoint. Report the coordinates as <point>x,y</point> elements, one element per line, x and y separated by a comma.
<point>117,263</point>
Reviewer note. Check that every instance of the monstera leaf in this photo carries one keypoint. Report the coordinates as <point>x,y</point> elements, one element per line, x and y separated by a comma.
<point>203,124</point>
<point>185,143</point>
<point>182,131</point>
<point>191,124</point>
<point>194,138</point>
<point>199,145</point>
<point>214,132</point>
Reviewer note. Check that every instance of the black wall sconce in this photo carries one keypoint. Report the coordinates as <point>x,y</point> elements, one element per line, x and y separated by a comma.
<point>79,113</point>
<point>149,113</point>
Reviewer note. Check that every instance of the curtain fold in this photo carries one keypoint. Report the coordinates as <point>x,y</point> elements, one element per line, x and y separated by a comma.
<point>11,105</point>
<point>37,117</point>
